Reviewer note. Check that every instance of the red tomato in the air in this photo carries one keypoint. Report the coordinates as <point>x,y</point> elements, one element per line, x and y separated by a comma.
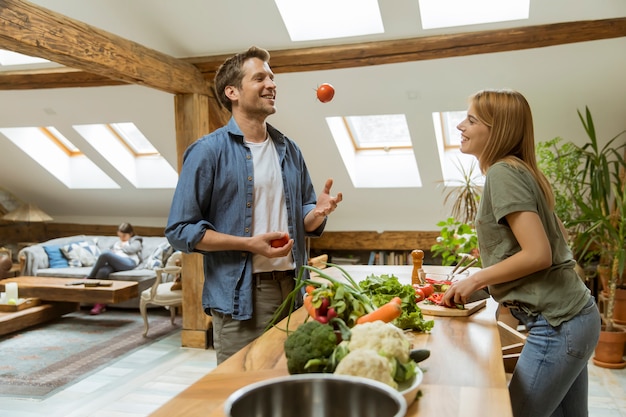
<point>325,93</point>
<point>280,242</point>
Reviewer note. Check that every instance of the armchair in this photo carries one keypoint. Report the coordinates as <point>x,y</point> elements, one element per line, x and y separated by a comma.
<point>161,294</point>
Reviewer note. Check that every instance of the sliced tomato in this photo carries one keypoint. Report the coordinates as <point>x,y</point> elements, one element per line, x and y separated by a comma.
<point>438,282</point>
<point>436,298</point>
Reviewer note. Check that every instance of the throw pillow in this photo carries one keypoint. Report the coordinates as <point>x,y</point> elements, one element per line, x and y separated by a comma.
<point>159,256</point>
<point>55,256</point>
<point>81,253</point>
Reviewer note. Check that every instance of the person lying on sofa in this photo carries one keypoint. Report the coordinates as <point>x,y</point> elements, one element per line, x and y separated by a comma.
<point>124,254</point>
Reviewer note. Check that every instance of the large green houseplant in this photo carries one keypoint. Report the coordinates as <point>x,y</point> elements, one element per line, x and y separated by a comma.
<point>601,207</point>
<point>589,186</point>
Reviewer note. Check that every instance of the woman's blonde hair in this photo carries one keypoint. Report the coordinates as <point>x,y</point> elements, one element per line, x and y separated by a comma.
<point>511,135</point>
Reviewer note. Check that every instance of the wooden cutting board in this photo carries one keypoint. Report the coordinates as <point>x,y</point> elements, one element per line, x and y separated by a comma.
<point>435,310</point>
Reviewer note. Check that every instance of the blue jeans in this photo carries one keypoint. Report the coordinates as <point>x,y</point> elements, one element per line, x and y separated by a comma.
<point>550,378</point>
<point>109,262</point>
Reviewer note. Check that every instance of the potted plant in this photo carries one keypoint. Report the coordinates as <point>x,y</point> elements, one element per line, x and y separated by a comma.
<point>560,162</point>
<point>457,233</point>
<point>600,228</point>
<point>455,237</point>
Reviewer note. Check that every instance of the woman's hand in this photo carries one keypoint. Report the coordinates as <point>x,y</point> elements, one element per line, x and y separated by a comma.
<point>460,291</point>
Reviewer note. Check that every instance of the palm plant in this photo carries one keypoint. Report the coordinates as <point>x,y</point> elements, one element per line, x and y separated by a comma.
<point>457,233</point>
<point>466,195</point>
<point>601,205</point>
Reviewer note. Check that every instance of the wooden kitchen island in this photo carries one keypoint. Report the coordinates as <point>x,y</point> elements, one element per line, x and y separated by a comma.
<point>464,376</point>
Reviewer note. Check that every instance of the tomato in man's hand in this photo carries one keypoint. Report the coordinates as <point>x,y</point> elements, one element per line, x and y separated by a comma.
<point>280,242</point>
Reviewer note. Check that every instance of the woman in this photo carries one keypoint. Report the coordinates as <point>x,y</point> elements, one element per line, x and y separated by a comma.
<point>527,264</point>
<point>124,254</point>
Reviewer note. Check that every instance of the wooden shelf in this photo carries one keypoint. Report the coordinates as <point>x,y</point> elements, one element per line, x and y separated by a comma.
<point>360,244</point>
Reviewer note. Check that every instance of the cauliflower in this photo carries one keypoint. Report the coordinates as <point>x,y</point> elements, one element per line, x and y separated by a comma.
<point>385,338</point>
<point>369,364</point>
<point>309,347</point>
<point>379,351</point>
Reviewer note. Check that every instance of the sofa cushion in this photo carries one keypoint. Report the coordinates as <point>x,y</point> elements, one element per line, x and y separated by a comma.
<point>83,253</point>
<point>55,256</point>
<point>159,256</point>
<point>67,272</point>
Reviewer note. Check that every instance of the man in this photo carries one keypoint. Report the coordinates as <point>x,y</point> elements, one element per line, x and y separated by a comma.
<point>240,188</point>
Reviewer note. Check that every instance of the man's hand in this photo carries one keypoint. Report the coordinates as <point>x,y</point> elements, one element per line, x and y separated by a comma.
<point>262,245</point>
<point>326,204</point>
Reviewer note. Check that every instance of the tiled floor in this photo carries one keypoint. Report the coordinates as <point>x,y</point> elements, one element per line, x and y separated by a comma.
<point>142,381</point>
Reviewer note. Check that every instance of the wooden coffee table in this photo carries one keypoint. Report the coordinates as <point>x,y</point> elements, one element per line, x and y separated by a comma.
<point>58,299</point>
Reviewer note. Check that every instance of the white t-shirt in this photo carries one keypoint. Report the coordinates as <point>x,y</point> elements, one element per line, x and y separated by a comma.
<point>269,210</point>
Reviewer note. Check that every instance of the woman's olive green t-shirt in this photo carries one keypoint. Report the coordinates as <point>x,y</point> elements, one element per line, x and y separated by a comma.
<point>557,292</point>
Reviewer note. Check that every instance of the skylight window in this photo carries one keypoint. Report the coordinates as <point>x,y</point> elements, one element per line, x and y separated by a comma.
<point>326,19</point>
<point>448,13</point>
<point>74,170</point>
<point>130,153</point>
<point>121,144</point>
<point>379,132</point>
<point>376,150</point>
<point>133,137</point>
<point>8,58</point>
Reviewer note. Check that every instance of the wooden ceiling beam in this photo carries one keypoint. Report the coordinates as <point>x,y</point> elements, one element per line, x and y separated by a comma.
<point>431,47</point>
<point>33,30</point>
<point>365,54</point>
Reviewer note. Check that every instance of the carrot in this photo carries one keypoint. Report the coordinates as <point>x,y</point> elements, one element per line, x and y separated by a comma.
<point>307,302</point>
<point>386,312</point>
<point>309,289</point>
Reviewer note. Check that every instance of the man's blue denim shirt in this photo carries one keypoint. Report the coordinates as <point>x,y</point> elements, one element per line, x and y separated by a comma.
<point>215,191</point>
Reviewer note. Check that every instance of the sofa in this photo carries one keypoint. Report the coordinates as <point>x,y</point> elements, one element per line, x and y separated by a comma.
<point>73,257</point>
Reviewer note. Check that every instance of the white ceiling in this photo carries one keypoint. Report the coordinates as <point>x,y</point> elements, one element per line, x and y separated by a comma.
<point>556,80</point>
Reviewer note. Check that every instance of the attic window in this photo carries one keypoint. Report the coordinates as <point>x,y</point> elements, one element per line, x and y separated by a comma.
<point>384,132</point>
<point>130,153</point>
<point>326,19</point>
<point>118,145</point>
<point>376,150</point>
<point>59,157</point>
<point>448,13</point>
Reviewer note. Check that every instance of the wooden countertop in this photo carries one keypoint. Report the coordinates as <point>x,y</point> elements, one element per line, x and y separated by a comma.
<point>464,375</point>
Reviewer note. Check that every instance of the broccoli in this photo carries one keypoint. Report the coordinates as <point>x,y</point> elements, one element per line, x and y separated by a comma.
<point>309,347</point>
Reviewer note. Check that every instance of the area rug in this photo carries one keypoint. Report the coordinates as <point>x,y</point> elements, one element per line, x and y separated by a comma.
<point>38,361</point>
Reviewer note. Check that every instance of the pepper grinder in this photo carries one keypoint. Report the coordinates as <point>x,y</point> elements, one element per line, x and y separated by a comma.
<point>418,275</point>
